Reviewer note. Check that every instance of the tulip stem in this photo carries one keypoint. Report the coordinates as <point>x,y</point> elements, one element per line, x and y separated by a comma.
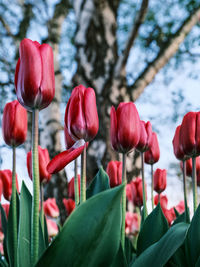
<point>14,206</point>
<point>143,187</point>
<point>36,189</point>
<point>76,187</point>
<point>194,183</point>
<point>41,206</point>
<point>123,201</point>
<point>152,187</point>
<point>158,198</point>
<point>83,176</point>
<point>187,217</point>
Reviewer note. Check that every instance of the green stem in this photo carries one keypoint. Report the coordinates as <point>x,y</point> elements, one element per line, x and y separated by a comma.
<point>143,187</point>
<point>187,216</point>
<point>194,183</point>
<point>152,186</point>
<point>83,176</point>
<point>14,206</point>
<point>41,205</point>
<point>158,198</point>
<point>76,187</point>
<point>123,201</point>
<point>36,189</point>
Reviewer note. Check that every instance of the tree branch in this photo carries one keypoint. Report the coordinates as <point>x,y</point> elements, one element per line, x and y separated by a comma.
<point>6,27</point>
<point>132,36</point>
<point>167,51</point>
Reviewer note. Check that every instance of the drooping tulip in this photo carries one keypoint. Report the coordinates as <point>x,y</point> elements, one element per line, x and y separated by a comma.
<point>145,136</point>
<point>114,171</point>
<point>81,118</point>
<point>6,178</point>
<point>160,180</point>
<point>124,127</point>
<point>178,150</point>
<point>14,124</point>
<point>69,205</point>
<point>153,154</point>
<point>34,75</point>
<point>51,208</point>
<point>134,192</point>
<point>190,134</point>
<point>71,187</point>
<point>43,162</point>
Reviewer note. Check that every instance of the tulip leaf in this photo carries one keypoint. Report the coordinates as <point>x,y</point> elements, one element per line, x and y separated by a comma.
<point>91,235</point>
<point>193,239</point>
<point>129,250</point>
<point>180,218</point>
<point>159,253</point>
<point>44,226</point>
<point>198,262</point>
<point>98,184</point>
<point>24,237</point>
<point>120,259</point>
<point>178,259</point>
<point>153,228</point>
<point>4,228</point>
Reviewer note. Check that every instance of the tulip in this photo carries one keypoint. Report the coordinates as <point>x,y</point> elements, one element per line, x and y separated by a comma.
<point>145,136</point>
<point>163,201</point>
<point>178,150</point>
<point>69,205</point>
<point>114,171</point>
<point>6,207</point>
<point>169,215</point>
<point>43,162</point>
<point>81,116</point>
<point>180,207</point>
<point>71,193</point>
<point>51,208</point>
<point>153,154</point>
<point>160,180</point>
<point>1,189</point>
<point>34,75</point>
<point>132,223</point>
<point>6,178</point>
<point>189,166</point>
<point>14,124</point>
<point>69,142</point>
<point>134,192</point>
<point>52,228</point>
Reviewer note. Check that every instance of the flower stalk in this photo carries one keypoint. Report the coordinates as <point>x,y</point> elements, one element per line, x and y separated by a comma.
<point>152,186</point>
<point>194,183</point>
<point>76,187</point>
<point>14,206</point>
<point>83,176</point>
<point>124,181</point>
<point>143,186</point>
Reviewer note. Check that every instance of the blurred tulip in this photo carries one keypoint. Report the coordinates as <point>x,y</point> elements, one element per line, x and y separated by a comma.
<point>180,207</point>
<point>190,134</point>
<point>69,205</point>
<point>34,75</point>
<point>124,127</point>
<point>169,215</point>
<point>1,189</point>
<point>132,223</point>
<point>178,150</point>
<point>51,208</point>
<point>134,192</point>
<point>71,187</point>
<point>189,166</point>
<point>160,180</point>
<point>6,178</point>
<point>114,171</point>
<point>14,124</point>
<point>6,207</point>
<point>145,136</point>
<point>163,201</point>
<point>52,228</point>
<point>43,162</point>
<point>153,154</point>
<point>81,116</point>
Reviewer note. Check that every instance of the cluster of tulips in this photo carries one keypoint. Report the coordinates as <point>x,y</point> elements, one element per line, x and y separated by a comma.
<point>99,229</point>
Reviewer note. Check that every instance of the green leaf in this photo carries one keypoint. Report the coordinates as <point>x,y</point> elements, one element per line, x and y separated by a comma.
<point>98,184</point>
<point>159,253</point>
<point>178,259</point>
<point>129,250</point>
<point>193,239</point>
<point>153,228</point>
<point>24,237</point>
<point>198,262</point>
<point>4,228</point>
<point>91,234</point>
<point>44,226</point>
<point>180,218</point>
<point>120,259</point>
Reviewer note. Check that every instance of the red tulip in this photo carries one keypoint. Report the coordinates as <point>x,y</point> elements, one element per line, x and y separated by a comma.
<point>6,178</point>
<point>43,162</point>
<point>124,127</point>
<point>145,136</point>
<point>69,142</point>
<point>153,154</point>
<point>180,207</point>
<point>6,207</point>
<point>134,192</point>
<point>1,189</point>
<point>81,116</point>
<point>190,134</point>
<point>34,75</point>
<point>71,187</point>
<point>51,208</point>
<point>52,228</point>
<point>163,201</point>
<point>132,223</point>
<point>69,205</point>
<point>114,171</point>
<point>189,166</point>
<point>169,215</point>
<point>160,180</point>
<point>178,150</point>
<point>14,124</point>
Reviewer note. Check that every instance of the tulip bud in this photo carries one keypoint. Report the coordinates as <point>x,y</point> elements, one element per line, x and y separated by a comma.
<point>43,162</point>
<point>69,205</point>
<point>190,134</point>
<point>145,136</point>
<point>34,75</point>
<point>51,208</point>
<point>134,192</point>
<point>178,150</point>
<point>188,164</point>
<point>71,187</point>
<point>114,171</point>
<point>160,180</point>
<point>14,124</point>
<point>6,178</point>
<point>163,201</point>
<point>124,127</point>
<point>153,154</point>
<point>81,116</point>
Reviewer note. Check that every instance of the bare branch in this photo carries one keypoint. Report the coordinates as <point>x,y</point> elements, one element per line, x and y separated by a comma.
<point>132,37</point>
<point>6,26</point>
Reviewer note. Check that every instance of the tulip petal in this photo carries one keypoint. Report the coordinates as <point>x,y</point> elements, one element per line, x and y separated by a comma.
<point>113,129</point>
